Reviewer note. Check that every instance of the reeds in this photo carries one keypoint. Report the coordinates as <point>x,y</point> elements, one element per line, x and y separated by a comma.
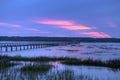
<point>90,62</point>
<point>5,64</point>
<point>37,68</point>
<point>69,61</point>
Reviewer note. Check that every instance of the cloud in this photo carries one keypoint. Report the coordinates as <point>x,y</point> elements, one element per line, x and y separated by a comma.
<point>76,27</point>
<point>55,22</point>
<point>97,34</point>
<point>9,25</point>
<point>22,28</point>
<point>69,25</point>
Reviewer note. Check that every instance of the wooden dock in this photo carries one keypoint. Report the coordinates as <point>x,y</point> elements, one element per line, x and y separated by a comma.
<point>19,46</point>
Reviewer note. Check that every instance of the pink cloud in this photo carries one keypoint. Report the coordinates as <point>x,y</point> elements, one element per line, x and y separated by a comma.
<point>76,27</point>
<point>9,25</point>
<point>55,22</point>
<point>23,28</point>
<point>97,34</point>
<point>69,25</point>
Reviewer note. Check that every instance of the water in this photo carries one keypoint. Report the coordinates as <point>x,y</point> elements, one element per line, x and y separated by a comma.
<point>101,51</point>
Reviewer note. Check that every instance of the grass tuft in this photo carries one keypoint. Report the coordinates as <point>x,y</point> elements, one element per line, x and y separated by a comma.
<point>37,68</point>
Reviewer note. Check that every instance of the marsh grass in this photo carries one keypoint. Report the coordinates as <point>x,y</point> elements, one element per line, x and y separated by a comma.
<point>69,50</point>
<point>69,61</point>
<point>19,58</point>
<point>66,74</point>
<point>90,62</point>
<point>108,48</point>
<point>4,65</point>
<point>82,62</point>
<point>61,75</point>
<point>113,63</point>
<point>37,68</point>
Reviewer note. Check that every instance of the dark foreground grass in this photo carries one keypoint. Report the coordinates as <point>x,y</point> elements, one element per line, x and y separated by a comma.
<point>19,58</point>
<point>37,68</point>
<point>69,61</point>
<point>5,64</point>
<point>90,62</point>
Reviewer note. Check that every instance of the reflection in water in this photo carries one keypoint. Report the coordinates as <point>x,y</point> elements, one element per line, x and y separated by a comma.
<point>53,74</point>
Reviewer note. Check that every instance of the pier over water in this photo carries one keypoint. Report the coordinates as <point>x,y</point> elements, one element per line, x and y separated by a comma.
<point>10,46</point>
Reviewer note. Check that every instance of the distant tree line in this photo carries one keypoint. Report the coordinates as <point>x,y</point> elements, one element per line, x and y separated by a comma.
<point>59,39</point>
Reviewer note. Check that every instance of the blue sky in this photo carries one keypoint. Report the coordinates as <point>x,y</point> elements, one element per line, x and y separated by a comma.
<point>61,18</point>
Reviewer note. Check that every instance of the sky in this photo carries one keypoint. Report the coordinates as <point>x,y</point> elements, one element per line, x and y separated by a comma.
<point>60,18</point>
